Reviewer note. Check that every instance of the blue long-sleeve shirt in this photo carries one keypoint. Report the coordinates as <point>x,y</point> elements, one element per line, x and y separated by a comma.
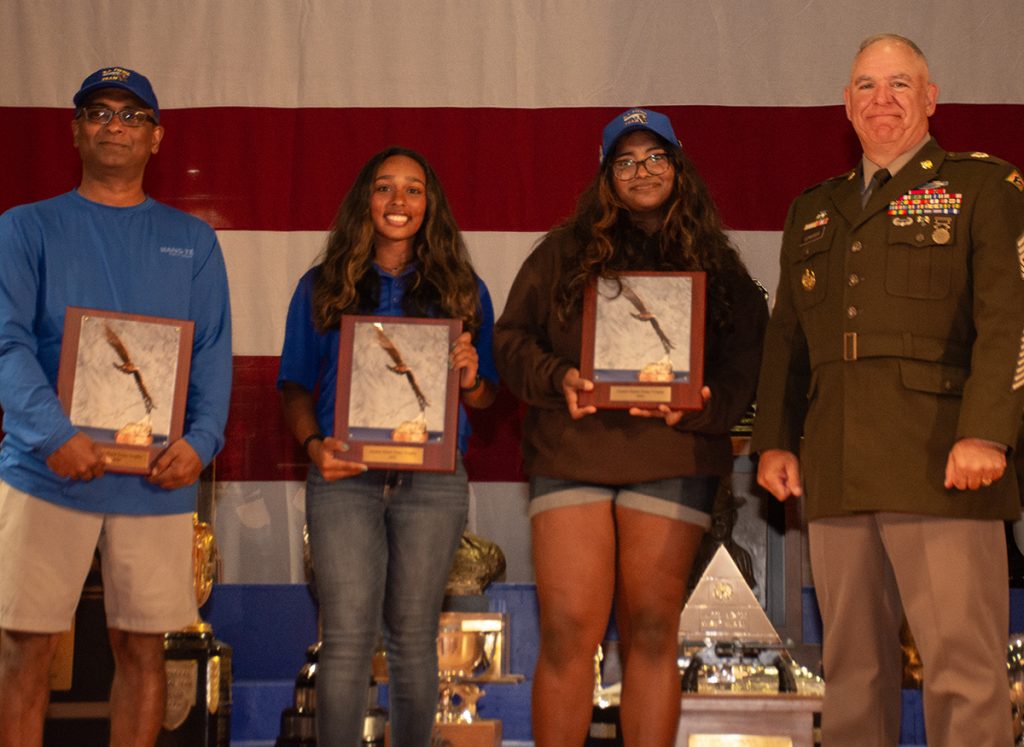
<point>146,259</point>
<point>310,359</point>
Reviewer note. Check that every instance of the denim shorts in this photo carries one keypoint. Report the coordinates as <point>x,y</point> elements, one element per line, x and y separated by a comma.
<point>688,499</point>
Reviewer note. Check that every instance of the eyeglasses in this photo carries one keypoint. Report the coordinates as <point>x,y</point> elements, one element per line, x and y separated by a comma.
<point>626,168</point>
<point>103,115</point>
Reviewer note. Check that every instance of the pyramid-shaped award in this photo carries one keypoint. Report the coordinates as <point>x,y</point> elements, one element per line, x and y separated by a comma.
<point>723,608</point>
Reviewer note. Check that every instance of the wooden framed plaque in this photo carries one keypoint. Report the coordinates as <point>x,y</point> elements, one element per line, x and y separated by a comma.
<point>643,340</point>
<point>397,403</point>
<point>123,381</point>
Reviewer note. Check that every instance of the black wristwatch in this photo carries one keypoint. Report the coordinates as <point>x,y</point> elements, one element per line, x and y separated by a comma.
<point>477,383</point>
<point>311,438</point>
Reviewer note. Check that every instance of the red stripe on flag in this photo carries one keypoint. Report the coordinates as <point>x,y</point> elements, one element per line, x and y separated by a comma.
<point>503,169</point>
<point>258,446</point>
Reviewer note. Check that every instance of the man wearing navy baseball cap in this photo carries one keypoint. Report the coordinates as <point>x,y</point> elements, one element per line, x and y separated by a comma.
<point>109,247</point>
<point>108,78</point>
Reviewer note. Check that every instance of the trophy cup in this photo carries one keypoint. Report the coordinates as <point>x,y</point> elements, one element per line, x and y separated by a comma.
<point>472,646</point>
<point>204,566</point>
<point>461,653</point>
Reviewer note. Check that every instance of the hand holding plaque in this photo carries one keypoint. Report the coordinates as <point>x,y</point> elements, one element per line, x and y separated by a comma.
<point>123,381</point>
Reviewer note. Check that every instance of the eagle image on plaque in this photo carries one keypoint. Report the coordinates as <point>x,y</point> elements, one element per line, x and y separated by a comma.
<point>397,403</point>
<point>643,335</point>
<point>123,382</point>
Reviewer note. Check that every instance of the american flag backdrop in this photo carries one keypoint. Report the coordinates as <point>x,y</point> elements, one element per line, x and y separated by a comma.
<point>271,107</point>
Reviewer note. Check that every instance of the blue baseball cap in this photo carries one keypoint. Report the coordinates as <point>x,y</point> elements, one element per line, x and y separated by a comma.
<point>636,119</point>
<point>119,77</point>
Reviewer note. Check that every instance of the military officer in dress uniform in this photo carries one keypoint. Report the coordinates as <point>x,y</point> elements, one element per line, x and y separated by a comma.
<point>896,353</point>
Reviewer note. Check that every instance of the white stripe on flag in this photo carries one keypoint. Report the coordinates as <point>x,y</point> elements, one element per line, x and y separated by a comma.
<point>496,53</point>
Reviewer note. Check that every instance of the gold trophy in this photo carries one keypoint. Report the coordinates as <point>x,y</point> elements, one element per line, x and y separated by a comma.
<point>470,645</point>
<point>462,652</point>
<point>204,568</point>
<point>472,648</point>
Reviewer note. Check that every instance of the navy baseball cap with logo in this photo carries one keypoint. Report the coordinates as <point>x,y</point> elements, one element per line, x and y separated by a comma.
<point>636,119</point>
<point>119,77</point>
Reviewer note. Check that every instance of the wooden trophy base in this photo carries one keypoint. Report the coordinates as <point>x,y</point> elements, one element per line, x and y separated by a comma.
<point>766,721</point>
<point>482,733</point>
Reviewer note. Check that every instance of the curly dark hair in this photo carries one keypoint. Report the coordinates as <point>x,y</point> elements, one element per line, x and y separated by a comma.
<point>691,238</point>
<point>443,281</point>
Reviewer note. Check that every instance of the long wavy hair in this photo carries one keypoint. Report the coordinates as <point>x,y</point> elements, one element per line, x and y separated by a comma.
<point>608,242</point>
<point>442,283</point>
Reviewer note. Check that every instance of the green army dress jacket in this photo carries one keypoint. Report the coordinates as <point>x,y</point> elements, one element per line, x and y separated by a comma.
<point>898,328</point>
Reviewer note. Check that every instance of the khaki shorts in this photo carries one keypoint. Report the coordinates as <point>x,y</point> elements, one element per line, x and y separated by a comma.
<point>46,551</point>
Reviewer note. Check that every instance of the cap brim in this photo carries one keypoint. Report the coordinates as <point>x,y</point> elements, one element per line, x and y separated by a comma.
<point>83,95</point>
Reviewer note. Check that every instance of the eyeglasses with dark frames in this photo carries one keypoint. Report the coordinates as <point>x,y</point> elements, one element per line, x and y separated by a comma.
<point>104,114</point>
<point>625,169</point>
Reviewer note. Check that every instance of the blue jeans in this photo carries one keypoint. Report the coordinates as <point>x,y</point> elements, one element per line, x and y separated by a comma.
<point>382,546</point>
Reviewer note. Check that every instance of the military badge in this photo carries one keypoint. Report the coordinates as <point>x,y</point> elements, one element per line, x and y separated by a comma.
<point>815,229</point>
<point>902,220</point>
<point>926,164</point>
<point>928,199</point>
<point>1016,180</point>
<point>942,233</point>
<point>821,219</point>
<point>808,280</point>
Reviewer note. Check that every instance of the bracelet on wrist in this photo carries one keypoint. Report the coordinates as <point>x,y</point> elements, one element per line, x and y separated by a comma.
<point>477,383</point>
<point>310,439</point>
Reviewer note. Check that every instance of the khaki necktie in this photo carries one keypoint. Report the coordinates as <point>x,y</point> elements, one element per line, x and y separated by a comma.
<point>878,179</point>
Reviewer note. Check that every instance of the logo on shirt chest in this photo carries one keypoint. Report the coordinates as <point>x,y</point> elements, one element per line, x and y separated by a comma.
<point>178,251</point>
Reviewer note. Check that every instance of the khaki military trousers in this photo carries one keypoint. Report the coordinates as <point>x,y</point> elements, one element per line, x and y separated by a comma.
<point>949,576</point>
